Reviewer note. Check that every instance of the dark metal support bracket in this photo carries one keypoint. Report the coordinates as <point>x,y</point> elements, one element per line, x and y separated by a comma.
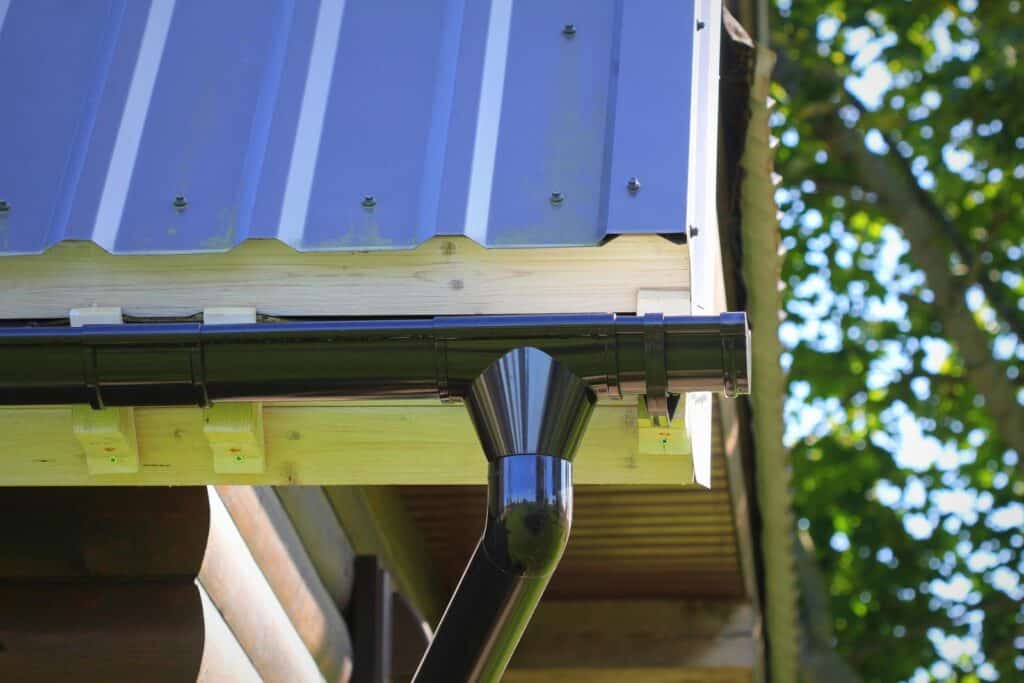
<point>657,375</point>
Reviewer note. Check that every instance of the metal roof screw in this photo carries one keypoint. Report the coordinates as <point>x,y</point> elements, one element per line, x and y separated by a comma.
<point>694,231</point>
<point>179,202</point>
<point>5,206</point>
<point>569,30</point>
<point>369,201</point>
<point>700,24</point>
<point>633,185</point>
<point>557,198</point>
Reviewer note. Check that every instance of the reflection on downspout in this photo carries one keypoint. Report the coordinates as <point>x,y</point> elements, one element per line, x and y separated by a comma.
<point>530,413</point>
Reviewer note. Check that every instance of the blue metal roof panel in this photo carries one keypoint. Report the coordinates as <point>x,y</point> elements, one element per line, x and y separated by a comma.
<point>341,125</point>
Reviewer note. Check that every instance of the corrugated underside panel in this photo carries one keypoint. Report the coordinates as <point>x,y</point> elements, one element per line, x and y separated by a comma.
<point>627,542</point>
<point>188,126</point>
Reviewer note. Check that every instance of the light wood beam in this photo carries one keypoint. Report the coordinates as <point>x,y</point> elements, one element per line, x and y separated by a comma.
<point>444,276</point>
<point>327,445</point>
<point>328,547</point>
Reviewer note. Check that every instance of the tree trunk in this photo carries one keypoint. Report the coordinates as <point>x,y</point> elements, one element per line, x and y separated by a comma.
<point>819,662</point>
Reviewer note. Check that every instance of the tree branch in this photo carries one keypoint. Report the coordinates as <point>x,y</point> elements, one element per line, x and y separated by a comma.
<point>932,237</point>
<point>789,74</point>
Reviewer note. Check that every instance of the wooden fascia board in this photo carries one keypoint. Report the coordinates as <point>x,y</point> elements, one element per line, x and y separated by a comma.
<point>761,272</point>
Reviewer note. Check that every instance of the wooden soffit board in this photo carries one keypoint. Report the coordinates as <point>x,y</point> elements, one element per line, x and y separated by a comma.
<point>627,541</point>
<point>632,674</point>
<point>655,641</point>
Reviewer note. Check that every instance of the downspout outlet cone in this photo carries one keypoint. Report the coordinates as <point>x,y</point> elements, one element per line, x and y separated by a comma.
<point>527,403</point>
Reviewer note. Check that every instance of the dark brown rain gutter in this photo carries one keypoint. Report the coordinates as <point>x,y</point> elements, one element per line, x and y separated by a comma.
<point>529,383</point>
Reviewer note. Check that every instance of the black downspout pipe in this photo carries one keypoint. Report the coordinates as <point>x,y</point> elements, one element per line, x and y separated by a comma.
<point>530,413</point>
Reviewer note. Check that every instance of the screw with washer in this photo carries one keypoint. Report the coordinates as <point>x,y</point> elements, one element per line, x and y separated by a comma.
<point>694,231</point>
<point>569,30</point>
<point>633,185</point>
<point>700,24</point>
<point>179,202</point>
<point>557,198</point>
<point>369,201</point>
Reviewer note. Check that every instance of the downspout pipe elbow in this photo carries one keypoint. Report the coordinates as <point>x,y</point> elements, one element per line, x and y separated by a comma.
<point>529,514</point>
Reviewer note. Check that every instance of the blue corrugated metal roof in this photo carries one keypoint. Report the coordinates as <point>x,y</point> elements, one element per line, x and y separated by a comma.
<point>341,125</point>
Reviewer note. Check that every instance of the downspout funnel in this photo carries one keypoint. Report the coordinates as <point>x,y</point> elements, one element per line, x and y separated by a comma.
<point>530,413</point>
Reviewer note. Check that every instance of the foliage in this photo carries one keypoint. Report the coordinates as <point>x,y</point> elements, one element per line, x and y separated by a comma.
<point>906,478</point>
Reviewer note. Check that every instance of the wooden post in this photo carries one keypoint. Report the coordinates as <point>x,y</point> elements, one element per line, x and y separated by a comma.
<point>277,549</point>
<point>371,622</point>
<point>328,547</point>
<point>223,658</point>
<point>251,610</point>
